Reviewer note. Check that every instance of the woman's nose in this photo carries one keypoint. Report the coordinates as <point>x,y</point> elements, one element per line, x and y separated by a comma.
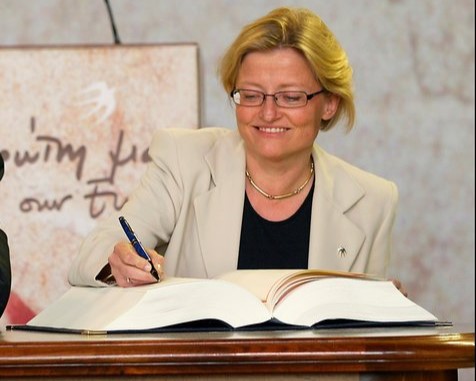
<point>269,108</point>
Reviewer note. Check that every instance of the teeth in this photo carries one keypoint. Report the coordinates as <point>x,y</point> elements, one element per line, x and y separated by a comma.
<point>272,130</point>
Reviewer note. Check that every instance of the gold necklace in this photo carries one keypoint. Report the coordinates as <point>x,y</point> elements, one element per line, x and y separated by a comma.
<point>280,196</point>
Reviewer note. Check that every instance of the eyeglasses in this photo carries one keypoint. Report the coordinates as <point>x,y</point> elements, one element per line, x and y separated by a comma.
<point>287,99</point>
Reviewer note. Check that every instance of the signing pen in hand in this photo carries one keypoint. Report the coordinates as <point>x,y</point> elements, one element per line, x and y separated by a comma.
<point>138,246</point>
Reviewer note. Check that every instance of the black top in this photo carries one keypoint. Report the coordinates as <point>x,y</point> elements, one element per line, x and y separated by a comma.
<point>275,245</point>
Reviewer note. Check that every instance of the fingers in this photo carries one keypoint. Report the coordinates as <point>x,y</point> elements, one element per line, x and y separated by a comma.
<point>129,269</point>
<point>158,261</point>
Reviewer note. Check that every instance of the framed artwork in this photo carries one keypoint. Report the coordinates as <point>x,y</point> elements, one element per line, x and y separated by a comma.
<point>75,124</point>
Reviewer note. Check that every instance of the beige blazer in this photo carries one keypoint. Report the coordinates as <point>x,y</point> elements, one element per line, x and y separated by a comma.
<point>189,205</point>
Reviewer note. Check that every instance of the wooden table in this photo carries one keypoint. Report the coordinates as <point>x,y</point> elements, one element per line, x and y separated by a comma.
<point>365,354</point>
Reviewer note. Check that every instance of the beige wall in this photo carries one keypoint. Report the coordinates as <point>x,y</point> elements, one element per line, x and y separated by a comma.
<point>414,77</point>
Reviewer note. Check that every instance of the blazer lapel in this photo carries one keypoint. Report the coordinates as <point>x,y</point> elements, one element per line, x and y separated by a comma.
<point>219,211</point>
<point>335,240</point>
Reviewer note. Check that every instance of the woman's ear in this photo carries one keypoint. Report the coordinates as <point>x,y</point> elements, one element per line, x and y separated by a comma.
<point>330,108</point>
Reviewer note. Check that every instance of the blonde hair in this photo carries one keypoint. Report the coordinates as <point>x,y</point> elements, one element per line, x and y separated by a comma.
<point>304,31</point>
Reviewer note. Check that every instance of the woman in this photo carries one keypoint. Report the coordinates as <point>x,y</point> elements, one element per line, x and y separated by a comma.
<point>264,195</point>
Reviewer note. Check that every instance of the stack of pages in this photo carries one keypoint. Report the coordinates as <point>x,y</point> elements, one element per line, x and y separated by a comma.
<point>242,299</point>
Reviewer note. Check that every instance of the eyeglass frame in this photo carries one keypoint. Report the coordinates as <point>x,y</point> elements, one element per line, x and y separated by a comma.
<point>264,95</point>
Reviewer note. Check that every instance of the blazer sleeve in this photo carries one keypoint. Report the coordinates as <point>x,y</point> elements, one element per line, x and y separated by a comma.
<point>382,247</point>
<point>151,210</point>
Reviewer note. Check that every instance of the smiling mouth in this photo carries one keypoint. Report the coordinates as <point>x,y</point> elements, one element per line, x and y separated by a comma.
<point>272,130</point>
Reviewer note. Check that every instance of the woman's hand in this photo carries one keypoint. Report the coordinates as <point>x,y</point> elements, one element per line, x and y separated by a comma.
<point>129,269</point>
<point>400,287</point>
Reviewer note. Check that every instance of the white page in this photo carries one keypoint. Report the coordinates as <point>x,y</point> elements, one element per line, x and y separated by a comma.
<point>258,282</point>
<point>342,298</point>
<point>207,299</point>
<point>87,308</point>
<point>172,301</point>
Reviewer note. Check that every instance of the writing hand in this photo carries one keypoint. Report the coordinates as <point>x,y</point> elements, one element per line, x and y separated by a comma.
<point>129,269</point>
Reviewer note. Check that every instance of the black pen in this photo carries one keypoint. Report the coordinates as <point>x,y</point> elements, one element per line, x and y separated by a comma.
<point>138,246</point>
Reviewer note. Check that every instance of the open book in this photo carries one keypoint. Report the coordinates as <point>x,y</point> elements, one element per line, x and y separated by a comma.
<point>237,300</point>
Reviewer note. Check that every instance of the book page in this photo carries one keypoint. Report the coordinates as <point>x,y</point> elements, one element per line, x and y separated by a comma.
<point>87,308</point>
<point>258,282</point>
<point>270,286</point>
<point>93,308</point>
<point>172,301</point>
<point>193,301</point>
<point>293,280</point>
<point>347,298</point>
